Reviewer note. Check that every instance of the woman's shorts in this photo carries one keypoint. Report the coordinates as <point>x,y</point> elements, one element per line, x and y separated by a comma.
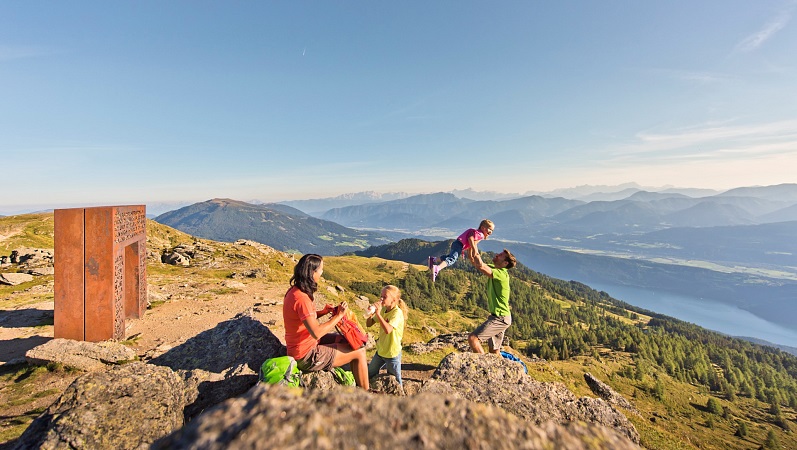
<point>322,355</point>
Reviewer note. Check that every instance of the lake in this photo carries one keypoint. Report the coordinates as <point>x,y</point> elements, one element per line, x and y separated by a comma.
<point>706,313</point>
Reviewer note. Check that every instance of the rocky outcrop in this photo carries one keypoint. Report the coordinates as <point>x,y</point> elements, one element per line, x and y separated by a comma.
<point>210,382</point>
<point>242,340</point>
<point>222,362</point>
<point>32,257</point>
<point>262,248</point>
<point>14,278</point>
<point>280,417</point>
<point>457,340</point>
<point>605,392</point>
<point>30,262</point>
<point>86,356</point>
<point>175,258</point>
<point>320,381</point>
<point>41,271</point>
<point>387,384</point>
<point>494,380</point>
<point>127,407</point>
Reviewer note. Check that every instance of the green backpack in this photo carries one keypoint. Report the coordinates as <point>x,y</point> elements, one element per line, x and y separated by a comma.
<point>343,376</point>
<point>281,370</point>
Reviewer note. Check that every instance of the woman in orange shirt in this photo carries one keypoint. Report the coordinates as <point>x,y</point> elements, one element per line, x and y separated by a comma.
<point>313,345</point>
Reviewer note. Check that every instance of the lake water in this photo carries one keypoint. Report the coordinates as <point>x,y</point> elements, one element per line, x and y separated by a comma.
<point>706,313</point>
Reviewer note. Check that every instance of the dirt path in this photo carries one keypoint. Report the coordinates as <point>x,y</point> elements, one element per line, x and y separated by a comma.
<point>187,314</point>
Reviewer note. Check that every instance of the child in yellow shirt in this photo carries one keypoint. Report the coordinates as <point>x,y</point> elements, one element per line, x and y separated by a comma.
<point>390,316</point>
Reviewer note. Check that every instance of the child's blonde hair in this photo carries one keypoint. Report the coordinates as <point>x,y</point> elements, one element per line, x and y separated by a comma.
<point>394,290</point>
<point>486,223</point>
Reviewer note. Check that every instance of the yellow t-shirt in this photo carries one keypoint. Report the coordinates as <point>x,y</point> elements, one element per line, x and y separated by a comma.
<point>389,345</point>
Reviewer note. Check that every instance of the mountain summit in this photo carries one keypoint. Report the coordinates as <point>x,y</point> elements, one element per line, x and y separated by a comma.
<point>282,227</point>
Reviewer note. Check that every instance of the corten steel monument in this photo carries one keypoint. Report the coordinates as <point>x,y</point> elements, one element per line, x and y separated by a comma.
<point>100,271</point>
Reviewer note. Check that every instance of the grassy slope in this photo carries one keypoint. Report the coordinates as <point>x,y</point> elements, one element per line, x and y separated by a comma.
<point>26,230</point>
<point>679,420</point>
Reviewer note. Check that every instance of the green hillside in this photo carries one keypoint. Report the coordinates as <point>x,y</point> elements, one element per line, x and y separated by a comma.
<point>669,368</point>
<point>26,230</point>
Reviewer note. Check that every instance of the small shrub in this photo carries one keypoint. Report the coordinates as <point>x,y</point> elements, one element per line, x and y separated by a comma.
<point>713,406</point>
<point>772,441</point>
<point>741,429</point>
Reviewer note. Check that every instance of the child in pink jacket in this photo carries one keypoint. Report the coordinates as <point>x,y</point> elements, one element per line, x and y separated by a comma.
<point>467,242</point>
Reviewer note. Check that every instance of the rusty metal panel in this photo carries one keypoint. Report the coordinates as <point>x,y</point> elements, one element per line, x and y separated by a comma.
<point>69,283</point>
<point>100,261</point>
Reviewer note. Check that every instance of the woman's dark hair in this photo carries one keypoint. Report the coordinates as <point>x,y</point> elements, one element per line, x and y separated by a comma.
<point>303,273</point>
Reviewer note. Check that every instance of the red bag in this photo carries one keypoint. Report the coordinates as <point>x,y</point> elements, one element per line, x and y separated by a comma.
<point>351,331</point>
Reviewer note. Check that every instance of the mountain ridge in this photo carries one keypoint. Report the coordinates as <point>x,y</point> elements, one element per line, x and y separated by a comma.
<point>282,227</point>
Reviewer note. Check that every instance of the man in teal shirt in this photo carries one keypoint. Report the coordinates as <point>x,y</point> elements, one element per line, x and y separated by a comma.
<point>492,330</point>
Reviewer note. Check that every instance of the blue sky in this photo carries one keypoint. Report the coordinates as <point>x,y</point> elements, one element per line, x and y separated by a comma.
<point>137,102</point>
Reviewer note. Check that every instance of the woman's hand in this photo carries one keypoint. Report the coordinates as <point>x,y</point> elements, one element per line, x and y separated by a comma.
<point>325,310</point>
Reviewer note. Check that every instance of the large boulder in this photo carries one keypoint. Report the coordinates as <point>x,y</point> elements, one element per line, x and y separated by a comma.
<point>175,259</point>
<point>457,340</point>
<point>491,379</point>
<point>242,340</point>
<point>13,278</point>
<point>386,384</point>
<point>86,356</point>
<point>222,362</point>
<point>281,417</point>
<point>127,407</point>
<point>605,392</point>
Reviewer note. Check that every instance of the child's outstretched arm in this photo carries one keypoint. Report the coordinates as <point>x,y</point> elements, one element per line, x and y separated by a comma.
<point>472,248</point>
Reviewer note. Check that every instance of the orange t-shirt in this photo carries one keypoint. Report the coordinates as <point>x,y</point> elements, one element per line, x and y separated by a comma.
<point>296,307</point>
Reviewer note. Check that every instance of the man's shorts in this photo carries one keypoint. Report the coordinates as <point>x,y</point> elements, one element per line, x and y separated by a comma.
<point>322,355</point>
<point>492,330</point>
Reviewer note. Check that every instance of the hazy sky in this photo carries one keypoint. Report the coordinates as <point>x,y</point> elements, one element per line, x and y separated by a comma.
<point>139,101</point>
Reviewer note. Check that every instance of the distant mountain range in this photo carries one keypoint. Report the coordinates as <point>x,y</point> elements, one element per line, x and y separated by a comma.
<point>738,246</point>
<point>316,207</point>
<point>587,193</point>
<point>590,193</point>
<point>747,226</point>
<point>638,211</point>
<point>278,226</point>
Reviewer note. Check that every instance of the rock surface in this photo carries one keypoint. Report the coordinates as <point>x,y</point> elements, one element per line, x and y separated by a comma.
<point>127,407</point>
<point>13,278</point>
<point>86,356</point>
<point>243,340</point>
<point>210,382</point>
<point>222,362</point>
<point>457,340</point>
<point>280,417</point>
<point>605,392</point>
<point>491,379</point>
